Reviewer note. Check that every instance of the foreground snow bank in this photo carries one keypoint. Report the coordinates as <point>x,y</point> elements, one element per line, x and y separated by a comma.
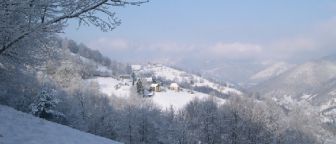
<point>21,128</point>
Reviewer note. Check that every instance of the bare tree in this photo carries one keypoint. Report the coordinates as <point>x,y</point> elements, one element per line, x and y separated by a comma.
<point>27,19</point>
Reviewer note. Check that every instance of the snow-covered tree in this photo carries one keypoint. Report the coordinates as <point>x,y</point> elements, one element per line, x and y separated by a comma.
<point>45,104</point>
<point>33,20</point>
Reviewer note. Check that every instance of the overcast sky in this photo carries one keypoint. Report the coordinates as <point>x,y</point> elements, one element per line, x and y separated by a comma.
<point>176,31</point>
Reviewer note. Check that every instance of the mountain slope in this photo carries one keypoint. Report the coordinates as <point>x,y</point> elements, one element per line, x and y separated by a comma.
<point>302,79</point>
<point>312,83</point>
<point>18,128</point>
<point>271,72</point>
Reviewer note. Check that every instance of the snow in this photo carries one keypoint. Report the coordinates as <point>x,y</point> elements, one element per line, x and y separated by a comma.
<point>164,99</point>
<point>111,86</point>
<point>98,67</point>
<point>307,97</point>
<point>174,85</point>
<point>178,100</point>
<point>136,67</point>
<point>333,93</point>
<point>21,128</point>
<point>272,71</point>
<point>287,99</point>
<point>330,103</point>
<point>154,85</point>
<point>102,68</point>
<point>179,76</point>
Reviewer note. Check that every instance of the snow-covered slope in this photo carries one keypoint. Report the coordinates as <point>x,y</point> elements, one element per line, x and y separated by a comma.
<point>179,76</point>
<point>312,83</point>
<point>98,68</point>
<point>21,128</point>
<point>111,86</point>
<point>306,78</point>
<point>179,99</point>
<point>164,99</point>
<point>271,71</point>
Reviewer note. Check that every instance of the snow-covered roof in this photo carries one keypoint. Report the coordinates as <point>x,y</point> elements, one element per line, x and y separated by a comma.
<point>155,85</point>
<point>174,85</point>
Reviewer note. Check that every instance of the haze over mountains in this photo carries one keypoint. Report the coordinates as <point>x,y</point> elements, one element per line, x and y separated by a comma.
<point>303,78</point>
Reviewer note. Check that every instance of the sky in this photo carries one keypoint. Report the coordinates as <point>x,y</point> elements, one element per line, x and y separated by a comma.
<point>190,31</point>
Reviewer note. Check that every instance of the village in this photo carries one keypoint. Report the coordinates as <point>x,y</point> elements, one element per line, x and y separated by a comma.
<point>163,85</point>
<point>148,86</point>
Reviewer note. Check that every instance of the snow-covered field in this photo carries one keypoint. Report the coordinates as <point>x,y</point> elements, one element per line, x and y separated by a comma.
<point>164,99</point>
<point>167,98</point>
<point>21,128</point>
<point>178,100</point>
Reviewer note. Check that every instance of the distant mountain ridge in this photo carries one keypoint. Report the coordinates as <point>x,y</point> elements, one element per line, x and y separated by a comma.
<point>271,72</point>
<point>306,78</point>
<point>313,83</point>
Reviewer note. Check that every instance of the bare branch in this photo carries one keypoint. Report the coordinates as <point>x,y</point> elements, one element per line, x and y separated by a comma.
<point>52,14</point>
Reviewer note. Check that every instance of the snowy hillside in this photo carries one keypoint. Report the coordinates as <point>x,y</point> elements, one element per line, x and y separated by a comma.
<point>310,84</point>
<point>98,68</point>
<point>178,76</point>
<point>306,78</point>
<point>164,99</point>
<point>111,86</point>
<point>21,128</point>
<point>271,71</point>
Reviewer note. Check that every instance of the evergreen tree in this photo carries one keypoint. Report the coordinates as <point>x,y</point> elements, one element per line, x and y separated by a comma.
<point>140,88</point>
<point>133,78</point>
<point>45,104</point>
<point>154,80</point>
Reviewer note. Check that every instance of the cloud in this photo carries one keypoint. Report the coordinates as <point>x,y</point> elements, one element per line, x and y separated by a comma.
<point>318,42</point>
<point>141,51</point>
<point>120,44</point>
<point>235,50</point>
<point>313,44</point>
<point>170,47</point>
<point>294,44</point>
<point>325,35</point>
<point>109,44</point>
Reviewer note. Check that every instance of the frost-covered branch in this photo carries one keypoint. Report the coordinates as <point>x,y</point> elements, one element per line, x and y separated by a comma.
<point>22,18</point>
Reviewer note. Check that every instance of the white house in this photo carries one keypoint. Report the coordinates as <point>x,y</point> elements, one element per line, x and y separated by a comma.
<point>155,87</point>
<point>174,87</point>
